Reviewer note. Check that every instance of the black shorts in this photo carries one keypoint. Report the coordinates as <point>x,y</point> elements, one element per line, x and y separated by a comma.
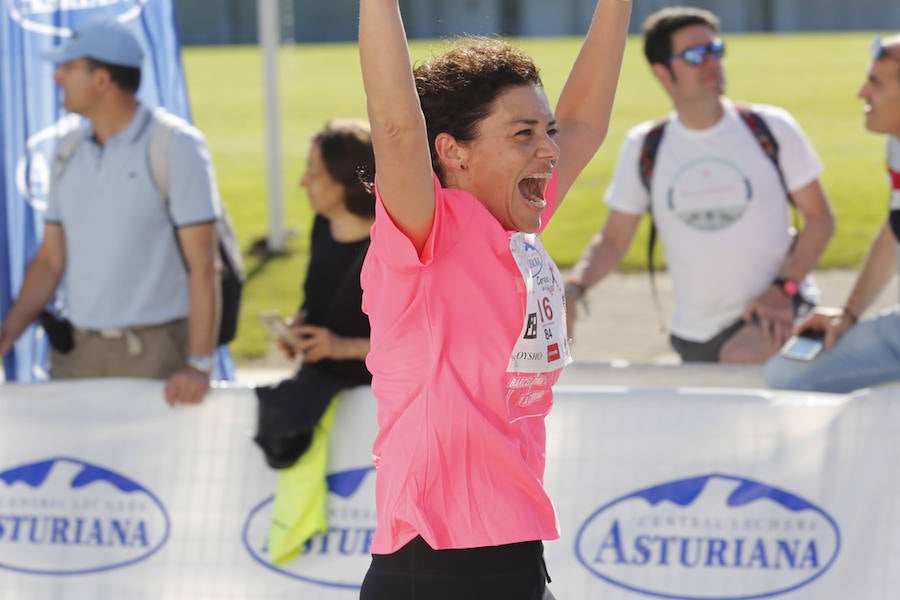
<point>709,350</point>
<point>417,572</point>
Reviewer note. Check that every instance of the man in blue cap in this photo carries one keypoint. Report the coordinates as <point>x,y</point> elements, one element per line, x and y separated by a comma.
<point>142,297</point>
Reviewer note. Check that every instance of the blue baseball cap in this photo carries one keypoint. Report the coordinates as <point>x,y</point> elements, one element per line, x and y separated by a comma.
<point>106,40</point>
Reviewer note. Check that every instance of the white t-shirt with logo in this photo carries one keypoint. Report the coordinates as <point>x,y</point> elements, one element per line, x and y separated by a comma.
<point>720,211</point>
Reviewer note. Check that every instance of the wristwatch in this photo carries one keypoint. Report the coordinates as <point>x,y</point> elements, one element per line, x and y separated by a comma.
<point>788,286</point>
<point>203,363</point>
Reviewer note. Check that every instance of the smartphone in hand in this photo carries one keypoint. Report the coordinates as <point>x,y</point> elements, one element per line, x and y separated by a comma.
<point>276,324</point>
<point>804,346</point>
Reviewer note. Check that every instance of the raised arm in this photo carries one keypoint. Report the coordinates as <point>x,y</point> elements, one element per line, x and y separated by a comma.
<point>399,137</point>
<point>586,101</point>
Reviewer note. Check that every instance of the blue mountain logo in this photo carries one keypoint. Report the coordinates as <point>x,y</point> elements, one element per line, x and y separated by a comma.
<point>41,17</point>
<point>713,536</point>
<point>63,516</point>
<point>534,259</point>
<point>340,557</point>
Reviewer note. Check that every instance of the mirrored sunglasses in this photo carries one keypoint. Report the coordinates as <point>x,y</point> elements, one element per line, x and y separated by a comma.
<point>695,54</point>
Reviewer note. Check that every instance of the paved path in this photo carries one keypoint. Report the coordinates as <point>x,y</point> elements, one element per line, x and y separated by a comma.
<point>623,324</point>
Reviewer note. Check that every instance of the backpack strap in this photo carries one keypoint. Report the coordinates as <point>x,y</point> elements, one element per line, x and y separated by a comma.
<point>159,154</point>
<point>769,145</point>
<point>646,165</point>
<point>647,160</point>
<point>766,140</point>
<point>162,127</point>
<point>159,151</point>
<point>228,257</point>
<point>65,148</point>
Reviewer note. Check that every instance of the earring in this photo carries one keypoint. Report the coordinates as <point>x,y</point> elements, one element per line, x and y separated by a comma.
<point>463,167</point>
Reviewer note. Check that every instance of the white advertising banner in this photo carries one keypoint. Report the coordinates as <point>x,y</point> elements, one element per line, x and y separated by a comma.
<point>107,493</point>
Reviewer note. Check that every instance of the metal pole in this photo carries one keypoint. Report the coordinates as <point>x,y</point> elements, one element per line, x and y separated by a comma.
<point>268,28</point>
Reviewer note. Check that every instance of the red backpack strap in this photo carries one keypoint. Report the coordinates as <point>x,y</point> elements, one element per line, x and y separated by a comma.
<point>647,160</point>
<point>760,130</point>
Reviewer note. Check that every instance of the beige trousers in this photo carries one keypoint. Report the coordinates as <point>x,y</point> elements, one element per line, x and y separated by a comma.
<point>152,352</point>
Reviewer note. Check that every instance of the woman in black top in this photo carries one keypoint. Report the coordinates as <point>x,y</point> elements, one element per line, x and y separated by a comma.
<point>332,330</point>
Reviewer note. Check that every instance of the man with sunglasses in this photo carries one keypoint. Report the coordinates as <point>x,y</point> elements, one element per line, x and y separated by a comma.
<point>719,199</point>
<point>867,353</point>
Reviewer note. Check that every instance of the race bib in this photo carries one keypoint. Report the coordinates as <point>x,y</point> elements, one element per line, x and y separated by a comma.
<point>543,345</point>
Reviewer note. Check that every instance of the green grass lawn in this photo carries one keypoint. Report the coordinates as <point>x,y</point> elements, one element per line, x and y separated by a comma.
<point>814,76</point>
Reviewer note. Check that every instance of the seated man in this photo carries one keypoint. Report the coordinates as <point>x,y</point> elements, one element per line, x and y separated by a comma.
<point>855,354</point>
<point>717,179</point>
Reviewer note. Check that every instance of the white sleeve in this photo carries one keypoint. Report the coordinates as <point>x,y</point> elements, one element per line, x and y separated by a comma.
<point>626,193</point>
<point>798,159</point>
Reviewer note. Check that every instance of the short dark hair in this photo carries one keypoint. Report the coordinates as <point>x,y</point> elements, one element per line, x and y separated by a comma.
<point>659,27</point>
<point>346,149</point>
<point>128,79</point>
<point>458,88</point>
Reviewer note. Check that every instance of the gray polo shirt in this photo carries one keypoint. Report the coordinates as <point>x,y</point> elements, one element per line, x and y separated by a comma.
<point>123,266</point>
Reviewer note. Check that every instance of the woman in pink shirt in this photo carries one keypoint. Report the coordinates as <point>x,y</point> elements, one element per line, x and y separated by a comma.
<point>466,306</point>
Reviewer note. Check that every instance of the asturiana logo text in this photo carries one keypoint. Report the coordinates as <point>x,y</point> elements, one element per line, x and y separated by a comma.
<point>63,516</point>
<point>715,536</point>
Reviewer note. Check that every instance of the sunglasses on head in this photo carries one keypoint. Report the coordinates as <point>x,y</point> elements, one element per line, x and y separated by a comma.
<point>878,49</point>
<point>695,54</point>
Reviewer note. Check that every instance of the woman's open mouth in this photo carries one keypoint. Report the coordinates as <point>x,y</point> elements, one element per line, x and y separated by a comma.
<point>532,189</point>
